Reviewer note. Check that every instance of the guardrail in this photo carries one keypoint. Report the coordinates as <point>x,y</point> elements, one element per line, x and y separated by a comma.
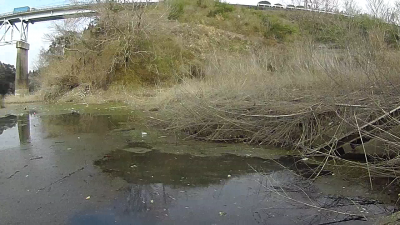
<point>82,4</point>
<point>295,8</point>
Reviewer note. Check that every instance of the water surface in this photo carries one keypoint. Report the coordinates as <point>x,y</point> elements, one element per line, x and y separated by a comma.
<point>100,164</point>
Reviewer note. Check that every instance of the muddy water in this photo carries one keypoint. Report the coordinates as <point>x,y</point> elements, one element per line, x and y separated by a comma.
<point>81,164</point>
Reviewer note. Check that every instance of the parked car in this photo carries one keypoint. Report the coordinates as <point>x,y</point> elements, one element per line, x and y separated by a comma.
<point>264,4</point>
<point>300,7</point>
<point>290,7</point>
<point>278,5</point>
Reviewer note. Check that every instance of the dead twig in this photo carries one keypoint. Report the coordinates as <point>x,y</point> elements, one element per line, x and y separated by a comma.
<point>61,179</point>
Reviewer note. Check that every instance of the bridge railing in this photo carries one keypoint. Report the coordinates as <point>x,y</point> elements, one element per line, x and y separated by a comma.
<point>48,7</point>
<point>82,4</point>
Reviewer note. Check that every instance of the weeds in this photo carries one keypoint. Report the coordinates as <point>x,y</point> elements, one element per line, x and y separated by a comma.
<point>177,10</point>
<point>274,28</point>
<point>221,8</point>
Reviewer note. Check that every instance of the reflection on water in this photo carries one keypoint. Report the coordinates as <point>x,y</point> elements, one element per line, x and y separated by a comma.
<point>7,122</point>
<point>184,189</point>
<point>14,130</point>
<point>75,123</point>
<point>181,170</point>
<point>29,127</point>
<point>24,128</point>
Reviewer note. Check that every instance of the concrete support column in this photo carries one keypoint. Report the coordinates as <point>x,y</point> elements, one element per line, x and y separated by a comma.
<point>21,75</point>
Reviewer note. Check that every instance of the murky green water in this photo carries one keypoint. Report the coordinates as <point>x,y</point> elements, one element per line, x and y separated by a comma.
<point>100,164</point>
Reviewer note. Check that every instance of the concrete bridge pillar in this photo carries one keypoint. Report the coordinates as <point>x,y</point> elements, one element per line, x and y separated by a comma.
<point>21,75</point>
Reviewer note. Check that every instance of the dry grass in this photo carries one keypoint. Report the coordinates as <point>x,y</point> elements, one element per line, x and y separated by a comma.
<point>298,96</point>
<point>294,96</point>
<point>12,99</point>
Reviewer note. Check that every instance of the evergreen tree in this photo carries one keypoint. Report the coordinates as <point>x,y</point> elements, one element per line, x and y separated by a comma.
<point>7,78</point>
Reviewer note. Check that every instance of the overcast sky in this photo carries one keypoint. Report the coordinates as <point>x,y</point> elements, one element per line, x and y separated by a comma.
<point>37,31</point>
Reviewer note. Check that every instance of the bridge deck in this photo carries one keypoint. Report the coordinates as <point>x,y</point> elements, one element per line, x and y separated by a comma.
<point>47,14</point>
<point>56,12</point>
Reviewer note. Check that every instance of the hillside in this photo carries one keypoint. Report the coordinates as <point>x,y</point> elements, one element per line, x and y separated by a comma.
<point>159,45</point>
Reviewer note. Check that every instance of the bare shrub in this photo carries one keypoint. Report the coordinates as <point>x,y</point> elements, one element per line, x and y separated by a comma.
<point>101,53</point>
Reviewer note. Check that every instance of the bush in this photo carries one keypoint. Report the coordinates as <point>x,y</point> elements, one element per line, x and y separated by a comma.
<point>220,8</point>
<point>392,37</point>
<point>201,3</point>
<point>365,24</point>
<point>278,29</point>
<point>177,10</point>
<point>7,78</point>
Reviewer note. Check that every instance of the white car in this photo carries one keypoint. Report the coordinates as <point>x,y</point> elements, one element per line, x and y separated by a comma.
<point>278,5</point>
<point>264,4</point>
<point>290,7</point>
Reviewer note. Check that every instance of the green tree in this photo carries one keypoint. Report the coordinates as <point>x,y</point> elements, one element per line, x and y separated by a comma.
<point>7,78</point>
<point>60,43</point>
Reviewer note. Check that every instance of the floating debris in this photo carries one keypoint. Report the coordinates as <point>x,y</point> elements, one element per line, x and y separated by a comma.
<point>36,157</point>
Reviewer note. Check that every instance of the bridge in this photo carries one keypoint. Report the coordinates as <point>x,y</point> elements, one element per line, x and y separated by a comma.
<point>14,30</point>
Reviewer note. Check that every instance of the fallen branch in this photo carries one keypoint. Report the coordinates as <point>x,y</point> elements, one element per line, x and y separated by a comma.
<point>66,176</point>
<point>17,171</point>
<point>349,105</point>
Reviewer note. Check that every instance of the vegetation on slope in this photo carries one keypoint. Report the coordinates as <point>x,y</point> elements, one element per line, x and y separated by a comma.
<point>159,45</point>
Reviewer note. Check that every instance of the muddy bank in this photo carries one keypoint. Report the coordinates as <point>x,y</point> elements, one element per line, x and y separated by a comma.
<point>100,164</point>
